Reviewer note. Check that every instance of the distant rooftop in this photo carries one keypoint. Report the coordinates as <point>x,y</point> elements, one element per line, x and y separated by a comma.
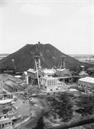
<point>84,57</point>
<point>2,55</point>
<point>87,79</point>
<point>5,101</point>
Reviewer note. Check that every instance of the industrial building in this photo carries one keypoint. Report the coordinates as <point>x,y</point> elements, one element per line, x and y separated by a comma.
<point>87,84</point>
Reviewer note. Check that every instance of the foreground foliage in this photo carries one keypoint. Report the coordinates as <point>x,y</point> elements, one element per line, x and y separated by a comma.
<point>60,106</point>
<point>85,104</point>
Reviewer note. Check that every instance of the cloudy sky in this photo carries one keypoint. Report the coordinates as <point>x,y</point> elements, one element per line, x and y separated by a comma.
<point>66,24</point>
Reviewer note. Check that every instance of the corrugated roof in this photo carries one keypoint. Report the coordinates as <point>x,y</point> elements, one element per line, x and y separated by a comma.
<point>5,101</point>
<point>49,71</point>
<point>31,70</point>
<point>87,79</point>
<point>83,73</point>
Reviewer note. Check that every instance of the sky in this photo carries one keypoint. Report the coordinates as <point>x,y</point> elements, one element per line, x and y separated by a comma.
<point>66,24</point>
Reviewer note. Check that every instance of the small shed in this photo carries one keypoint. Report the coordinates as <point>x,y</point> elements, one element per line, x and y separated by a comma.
<point>83,74</point>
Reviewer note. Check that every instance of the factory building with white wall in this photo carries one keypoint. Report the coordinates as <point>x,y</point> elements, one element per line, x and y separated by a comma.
<point>87,84</point>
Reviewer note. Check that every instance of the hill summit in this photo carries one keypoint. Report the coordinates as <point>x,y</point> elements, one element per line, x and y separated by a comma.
<point>50,56</point>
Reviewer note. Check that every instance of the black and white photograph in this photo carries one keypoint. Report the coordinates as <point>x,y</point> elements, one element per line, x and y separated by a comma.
<point>46,64</point>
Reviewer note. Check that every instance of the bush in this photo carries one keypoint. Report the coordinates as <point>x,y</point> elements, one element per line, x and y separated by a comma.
<point>85,104</point>
<point>60,105</point>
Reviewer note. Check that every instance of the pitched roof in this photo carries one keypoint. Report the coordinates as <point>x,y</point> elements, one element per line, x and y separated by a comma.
<point>87,79</point>
<point>83,73</point>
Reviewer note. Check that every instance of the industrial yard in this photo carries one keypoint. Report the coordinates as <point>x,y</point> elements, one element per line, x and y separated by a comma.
<point>46,64</point>
<point>46,98</point>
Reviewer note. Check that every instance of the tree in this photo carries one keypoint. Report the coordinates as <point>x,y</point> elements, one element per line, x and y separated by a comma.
<point>85,104</point>
<point>60,106</point>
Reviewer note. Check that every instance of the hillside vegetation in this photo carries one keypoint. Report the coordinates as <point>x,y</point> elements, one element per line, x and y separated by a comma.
<point>49,56</point>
